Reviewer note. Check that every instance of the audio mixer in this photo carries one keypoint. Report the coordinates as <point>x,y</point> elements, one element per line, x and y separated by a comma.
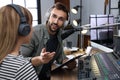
<point>99,66</point>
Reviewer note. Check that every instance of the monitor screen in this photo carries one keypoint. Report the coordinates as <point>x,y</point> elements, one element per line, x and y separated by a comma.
<point>103,36</point>
<point>117,45</point>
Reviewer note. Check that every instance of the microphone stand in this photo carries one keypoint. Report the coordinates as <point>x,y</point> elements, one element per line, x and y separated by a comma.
<point>80,41</point>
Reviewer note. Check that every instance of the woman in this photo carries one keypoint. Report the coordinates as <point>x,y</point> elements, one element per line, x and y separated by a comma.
<point>12,65</point>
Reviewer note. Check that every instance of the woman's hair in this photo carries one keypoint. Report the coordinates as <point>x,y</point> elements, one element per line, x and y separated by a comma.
<point>9,23</point>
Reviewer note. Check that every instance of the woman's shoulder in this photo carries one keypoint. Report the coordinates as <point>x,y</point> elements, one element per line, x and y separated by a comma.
<point>18,66</point>
<point>16,60</point>
<point>21,66</point>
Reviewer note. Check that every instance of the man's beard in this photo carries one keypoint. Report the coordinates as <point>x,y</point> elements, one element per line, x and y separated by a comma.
<point>50,27</point>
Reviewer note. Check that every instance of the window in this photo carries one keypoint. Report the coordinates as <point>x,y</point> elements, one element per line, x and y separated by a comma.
<point>31,5</point>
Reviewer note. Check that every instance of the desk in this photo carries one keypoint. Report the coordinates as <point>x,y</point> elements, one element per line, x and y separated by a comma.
<point>64,74</point>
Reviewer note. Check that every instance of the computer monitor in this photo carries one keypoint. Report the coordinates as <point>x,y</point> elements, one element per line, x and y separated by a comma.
<point>103,36</point>
<point>117,45</point>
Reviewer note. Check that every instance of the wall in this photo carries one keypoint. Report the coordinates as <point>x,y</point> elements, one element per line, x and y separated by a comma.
<point>92,7</point>
<point>45,5</point>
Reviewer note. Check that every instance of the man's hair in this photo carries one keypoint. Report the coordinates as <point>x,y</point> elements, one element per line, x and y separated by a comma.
<point>61,6</point>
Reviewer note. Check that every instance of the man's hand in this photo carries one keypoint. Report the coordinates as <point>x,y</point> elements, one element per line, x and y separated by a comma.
<point>44,57</point>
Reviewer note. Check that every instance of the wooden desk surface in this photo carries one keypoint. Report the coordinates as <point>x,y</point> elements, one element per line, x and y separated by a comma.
<point>64,74</point>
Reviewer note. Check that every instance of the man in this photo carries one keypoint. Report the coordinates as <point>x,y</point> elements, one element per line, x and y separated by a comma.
<point>49,36</point>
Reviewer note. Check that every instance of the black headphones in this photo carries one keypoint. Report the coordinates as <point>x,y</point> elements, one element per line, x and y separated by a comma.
<point>24,27</point>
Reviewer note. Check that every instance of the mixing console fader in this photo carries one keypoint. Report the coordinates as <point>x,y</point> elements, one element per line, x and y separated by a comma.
<point>99,66</point>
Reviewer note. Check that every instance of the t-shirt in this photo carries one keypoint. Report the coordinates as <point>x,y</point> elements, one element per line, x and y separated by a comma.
<point>51,46</point>
<point>52,43</point>
<point>17,68</point>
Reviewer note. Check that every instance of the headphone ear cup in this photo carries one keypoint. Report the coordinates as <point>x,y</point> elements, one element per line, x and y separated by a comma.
<point>66,23</point>
<point>24,29</point>
<point>47,15</point>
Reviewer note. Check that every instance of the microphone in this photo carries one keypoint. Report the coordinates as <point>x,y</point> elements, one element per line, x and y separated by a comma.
<point>70,29</point>
<point>69,32</point>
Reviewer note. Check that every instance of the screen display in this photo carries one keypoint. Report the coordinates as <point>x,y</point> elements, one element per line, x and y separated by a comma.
<point>117,45</point>
<point>102,36</point>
